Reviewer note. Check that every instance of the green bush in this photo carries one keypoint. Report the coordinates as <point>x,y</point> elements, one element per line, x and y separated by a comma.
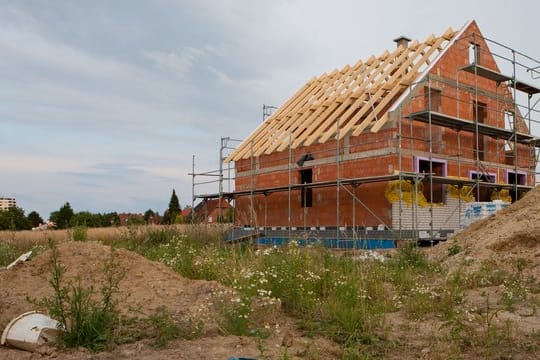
<point>79,233</point>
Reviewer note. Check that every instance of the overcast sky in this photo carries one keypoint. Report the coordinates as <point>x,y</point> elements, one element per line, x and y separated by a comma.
<point>103,103</point>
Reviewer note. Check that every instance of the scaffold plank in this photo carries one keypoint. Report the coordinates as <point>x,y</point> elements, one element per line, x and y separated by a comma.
<point>486,73</point>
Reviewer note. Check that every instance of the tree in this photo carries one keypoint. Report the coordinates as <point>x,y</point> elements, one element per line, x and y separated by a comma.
<point>62,217</point>
<point>174,208</point>
<point>85,218</point>
<point>13,219</point>
<point>149,216</point>
<point>34,219</point>
<point>110,219</point>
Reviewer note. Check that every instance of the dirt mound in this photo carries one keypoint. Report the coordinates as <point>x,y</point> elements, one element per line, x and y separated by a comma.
<point>146,288</point>
<point>511,233</point>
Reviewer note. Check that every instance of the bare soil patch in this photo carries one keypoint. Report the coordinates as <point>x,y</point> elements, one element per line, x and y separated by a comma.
<point>510,235</point>
<point>146,288</point>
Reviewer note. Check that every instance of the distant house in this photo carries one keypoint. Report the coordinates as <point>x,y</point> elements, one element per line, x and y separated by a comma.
<point>208,211</point>
<point>129,218</point>
<point>155,219</point>
<point>186,214</point>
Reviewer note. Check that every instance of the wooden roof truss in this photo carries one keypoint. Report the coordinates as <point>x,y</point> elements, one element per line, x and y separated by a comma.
<point>357,96</point>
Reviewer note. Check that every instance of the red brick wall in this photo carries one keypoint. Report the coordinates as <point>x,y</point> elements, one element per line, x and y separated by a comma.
<point>272,210</point>
<point>272,171</point>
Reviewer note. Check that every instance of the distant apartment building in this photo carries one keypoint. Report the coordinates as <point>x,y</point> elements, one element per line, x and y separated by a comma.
<point>6,203</point>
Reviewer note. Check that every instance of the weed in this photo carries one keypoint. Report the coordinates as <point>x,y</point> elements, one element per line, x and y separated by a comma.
<point>491,336</point>
<point>85,321</point>
<point>261,346</point>
<point>8,253</point>
<point>132,236</point>
<point>461,330</point>
<point>12,249</point>
<point>411,256</point>
<point>285,355</point>
<point>478,330</point>
<point>161,235</point>
<point>78,233</point>
<point>489,274</point>
<point>514,291</point>
<point>235,315</point>
<point>454,250</point>
<point>164,330</point>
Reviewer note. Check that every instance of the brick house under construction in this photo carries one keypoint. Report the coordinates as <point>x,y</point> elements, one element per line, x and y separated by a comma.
<point>400,142</point>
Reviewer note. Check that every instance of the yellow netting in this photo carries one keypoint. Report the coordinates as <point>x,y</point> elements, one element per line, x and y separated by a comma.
<point>503,194</point>
<point>407,192</point>
<point>464,193</point>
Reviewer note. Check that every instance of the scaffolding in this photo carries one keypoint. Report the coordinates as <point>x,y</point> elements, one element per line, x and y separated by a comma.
<point>506,150</point>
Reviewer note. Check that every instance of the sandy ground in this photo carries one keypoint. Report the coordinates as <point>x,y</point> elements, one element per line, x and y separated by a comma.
<point>510,235</point>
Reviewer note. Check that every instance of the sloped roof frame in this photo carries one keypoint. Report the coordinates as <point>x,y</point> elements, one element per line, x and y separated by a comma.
<point>261,136</point>
<point>430,67</point>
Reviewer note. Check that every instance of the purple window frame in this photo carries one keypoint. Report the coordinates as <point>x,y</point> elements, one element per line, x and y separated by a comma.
<point>434,160</point>
<point>519,172</point>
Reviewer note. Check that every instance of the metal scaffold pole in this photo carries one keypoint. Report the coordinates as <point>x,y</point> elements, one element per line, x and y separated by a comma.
<point>476,135</point>
<point>400,166</point>
<point>515,129</point>
<point>338,184</point>
<point>220,189</point>
<point>252,185</point>
<point>193,189</point>
<point>430,130</point>
<point>289,190</point>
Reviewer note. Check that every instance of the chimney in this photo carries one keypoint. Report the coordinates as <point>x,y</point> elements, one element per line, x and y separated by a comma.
<point>402,40</point>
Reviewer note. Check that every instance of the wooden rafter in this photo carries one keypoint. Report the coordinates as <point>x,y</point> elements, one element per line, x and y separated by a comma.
<point>359,96</point>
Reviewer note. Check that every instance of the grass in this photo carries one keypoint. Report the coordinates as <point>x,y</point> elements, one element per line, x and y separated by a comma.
<point>329,295</point>
<point>163,328</point>
<point>8,253</point>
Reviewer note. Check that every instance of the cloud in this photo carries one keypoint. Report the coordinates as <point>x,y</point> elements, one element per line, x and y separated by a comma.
<point>18,163</point>
<point>104,103</point>
<point>176,64</point>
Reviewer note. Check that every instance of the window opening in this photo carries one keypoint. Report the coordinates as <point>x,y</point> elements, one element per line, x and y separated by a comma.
<point>483,191</point>
<point>438,169</point>
<point>516,178</point>
<point>432,99</point>
<point>474,54</point>
<point>306,177</point>
<point>480,110</point>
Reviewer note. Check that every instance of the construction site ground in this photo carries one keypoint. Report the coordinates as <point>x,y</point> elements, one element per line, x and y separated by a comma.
<point>508,241</point>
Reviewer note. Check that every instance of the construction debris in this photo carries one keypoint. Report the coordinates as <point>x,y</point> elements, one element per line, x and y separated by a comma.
<point>31,331</point>
<point>24,257</point>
